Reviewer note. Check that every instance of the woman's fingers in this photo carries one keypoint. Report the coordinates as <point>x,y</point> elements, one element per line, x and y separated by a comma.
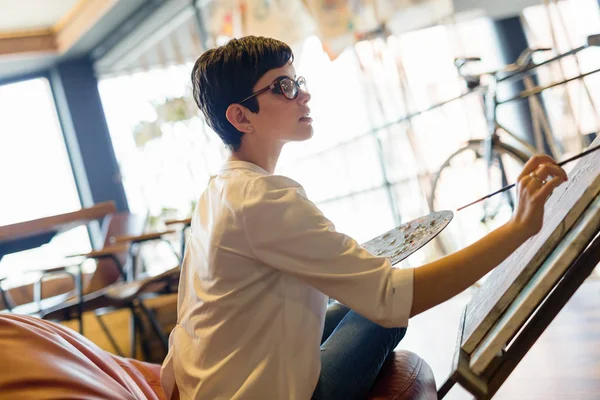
<point>535,162</point>
<point>546,190</point>
<point>546,170</point>
<point>541,181</point>
<point>540,176</point>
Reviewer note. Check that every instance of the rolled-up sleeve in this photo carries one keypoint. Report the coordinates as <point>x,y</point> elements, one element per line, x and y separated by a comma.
<point>288,232</point>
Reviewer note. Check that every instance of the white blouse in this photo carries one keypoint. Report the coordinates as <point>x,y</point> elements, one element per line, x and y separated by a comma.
<point>260,263</point>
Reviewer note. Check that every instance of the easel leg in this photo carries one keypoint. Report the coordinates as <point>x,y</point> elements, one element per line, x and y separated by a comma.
<point>472,383</point>
<point>446,387</point>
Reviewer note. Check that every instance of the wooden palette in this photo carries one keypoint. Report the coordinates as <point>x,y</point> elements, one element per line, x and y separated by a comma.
<point>402,241</point>
<point>563,209</point>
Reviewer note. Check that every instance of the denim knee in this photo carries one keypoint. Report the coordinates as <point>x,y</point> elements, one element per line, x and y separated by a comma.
<point>398,334</point>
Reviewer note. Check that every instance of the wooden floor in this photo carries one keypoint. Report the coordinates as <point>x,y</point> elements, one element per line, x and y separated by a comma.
<point>563,364</point>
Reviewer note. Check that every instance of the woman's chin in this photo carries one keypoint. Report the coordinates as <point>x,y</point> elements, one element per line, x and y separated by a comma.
<point>300,135</point>
<point>305,133</point>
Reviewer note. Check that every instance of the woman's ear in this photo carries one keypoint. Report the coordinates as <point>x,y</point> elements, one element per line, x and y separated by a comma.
<point>236,115</point>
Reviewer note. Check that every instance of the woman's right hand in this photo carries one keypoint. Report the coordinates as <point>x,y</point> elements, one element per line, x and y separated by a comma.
<point>540,176</point>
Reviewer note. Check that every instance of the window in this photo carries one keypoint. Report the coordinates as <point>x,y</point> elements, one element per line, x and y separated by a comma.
<point>573,108</point>
<point>166,153</point>
<point>365,180</point>
<point>344,167</point>
<point>36,179</point>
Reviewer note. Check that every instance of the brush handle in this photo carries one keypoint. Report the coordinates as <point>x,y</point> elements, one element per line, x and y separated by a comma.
<point>505,188</point>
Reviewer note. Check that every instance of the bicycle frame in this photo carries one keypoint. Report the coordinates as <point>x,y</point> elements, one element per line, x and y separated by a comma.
<point>496,158</point>
<point>491,104</point>
<point>521,69</point>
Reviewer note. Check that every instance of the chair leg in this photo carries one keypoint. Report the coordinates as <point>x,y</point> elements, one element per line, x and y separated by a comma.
<point>79,283</point>
<point>37,293</point>
<point>182,254</point>
<point>133,333</point>
<point>109,335</point>
<point>137,331</point>
<point>7,302</point>
<point>174,250</point>
<point>155,326</point>
<point>133,258</point>
<point>119,267</point>
<point>144,339</point>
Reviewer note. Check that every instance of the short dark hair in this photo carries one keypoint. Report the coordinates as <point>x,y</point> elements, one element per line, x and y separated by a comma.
<point>227,74</point>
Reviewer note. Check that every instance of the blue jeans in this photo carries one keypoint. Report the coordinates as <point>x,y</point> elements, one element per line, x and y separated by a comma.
<point>353,349</point>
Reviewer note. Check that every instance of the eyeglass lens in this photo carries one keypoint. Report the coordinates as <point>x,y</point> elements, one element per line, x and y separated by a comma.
<point>289,87</point>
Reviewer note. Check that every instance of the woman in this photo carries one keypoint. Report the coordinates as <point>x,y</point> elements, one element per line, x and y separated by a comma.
<point>262,260</point>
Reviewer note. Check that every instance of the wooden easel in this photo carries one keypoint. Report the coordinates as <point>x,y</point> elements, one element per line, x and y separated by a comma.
<point>527,291</point>
<point>486,385</point>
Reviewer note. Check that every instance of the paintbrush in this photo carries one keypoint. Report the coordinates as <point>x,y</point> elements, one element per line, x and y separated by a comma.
<point>568,160</point>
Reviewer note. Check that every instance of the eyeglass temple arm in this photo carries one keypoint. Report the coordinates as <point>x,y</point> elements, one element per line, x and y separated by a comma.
<point>258,92</point>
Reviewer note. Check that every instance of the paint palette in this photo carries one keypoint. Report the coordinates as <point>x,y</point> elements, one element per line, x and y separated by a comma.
<point>407,238</point>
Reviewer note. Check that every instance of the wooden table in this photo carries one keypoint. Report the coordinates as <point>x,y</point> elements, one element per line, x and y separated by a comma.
<point>30,234</point>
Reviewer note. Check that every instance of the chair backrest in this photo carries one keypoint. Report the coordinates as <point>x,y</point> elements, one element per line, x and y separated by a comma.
<point>123,223</point>
<point>116,224</point>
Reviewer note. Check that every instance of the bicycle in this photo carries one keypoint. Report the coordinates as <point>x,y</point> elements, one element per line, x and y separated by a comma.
<point>492,160</point>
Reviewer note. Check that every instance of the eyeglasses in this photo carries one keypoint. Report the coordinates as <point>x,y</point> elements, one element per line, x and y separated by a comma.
<point>283,85</point>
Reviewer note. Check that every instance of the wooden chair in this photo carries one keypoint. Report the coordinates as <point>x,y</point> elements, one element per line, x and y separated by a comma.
<point>128,295</point>
<point>112,262</point>
<point>34,233</point>
<point>117,261</point>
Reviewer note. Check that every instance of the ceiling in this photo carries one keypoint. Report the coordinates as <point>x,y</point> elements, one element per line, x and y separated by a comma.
<point>35,34</point>
<point>20,15</point>
<point>169,36</point>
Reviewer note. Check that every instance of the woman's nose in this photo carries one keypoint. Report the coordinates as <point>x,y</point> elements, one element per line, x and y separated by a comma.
<point>304,97</point>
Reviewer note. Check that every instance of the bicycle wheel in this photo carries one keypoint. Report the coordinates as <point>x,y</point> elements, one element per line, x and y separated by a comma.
<point>465,177</point>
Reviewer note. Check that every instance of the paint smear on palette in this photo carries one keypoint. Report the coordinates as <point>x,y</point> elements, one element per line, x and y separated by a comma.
<point>407,238</point>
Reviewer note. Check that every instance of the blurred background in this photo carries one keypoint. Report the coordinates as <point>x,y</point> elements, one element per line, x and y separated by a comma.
<point>418,106</point>
<point>95,104</point>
